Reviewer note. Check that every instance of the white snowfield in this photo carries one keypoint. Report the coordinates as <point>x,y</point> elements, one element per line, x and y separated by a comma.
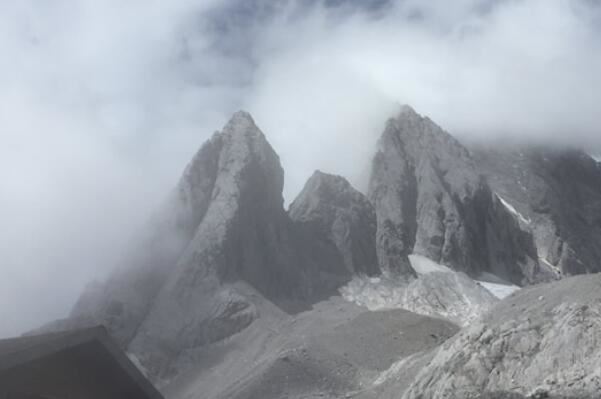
<point>497,286</point>
<point>423,265</point>
<point>500,290</point>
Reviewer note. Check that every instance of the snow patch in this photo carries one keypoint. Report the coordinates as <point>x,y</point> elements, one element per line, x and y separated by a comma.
<point>423,265</point>
<point>551,266</point>
<point>496,285</point>
<point>501,291</point>
<point>134,359</point>
<point>514,211</point>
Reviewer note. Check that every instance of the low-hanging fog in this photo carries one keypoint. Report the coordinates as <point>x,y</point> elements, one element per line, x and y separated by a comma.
<point>102,103</point>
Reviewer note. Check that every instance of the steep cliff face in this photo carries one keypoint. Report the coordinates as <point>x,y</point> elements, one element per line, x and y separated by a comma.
<point>243,216</point>
<point>340,220</point>
<point>430,201</point>
<point>557,194</point>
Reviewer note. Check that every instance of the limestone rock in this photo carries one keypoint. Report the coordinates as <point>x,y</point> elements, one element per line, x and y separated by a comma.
<point>543,338</point>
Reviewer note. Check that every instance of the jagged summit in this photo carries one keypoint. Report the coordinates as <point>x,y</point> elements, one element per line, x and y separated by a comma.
<point>213,229</point>
<point>230,153</point>
<point>332,211</point>
<point>421,137</point>
<point>323,187</point>
<point>240,117</point>
<point>242,126</point>
<point>407,112</point>
<point>431,201</point>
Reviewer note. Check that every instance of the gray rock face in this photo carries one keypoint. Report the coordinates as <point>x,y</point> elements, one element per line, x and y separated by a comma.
<point>543,339</point>
<point>333,212</point>
<point>430,200</point>
<point>558,194</point>
<point>224,223</point>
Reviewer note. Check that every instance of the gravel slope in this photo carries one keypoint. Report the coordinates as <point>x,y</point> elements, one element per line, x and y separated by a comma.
<point>333,350</point>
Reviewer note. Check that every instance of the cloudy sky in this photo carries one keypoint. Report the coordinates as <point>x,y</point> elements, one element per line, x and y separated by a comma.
<point>102,103</point>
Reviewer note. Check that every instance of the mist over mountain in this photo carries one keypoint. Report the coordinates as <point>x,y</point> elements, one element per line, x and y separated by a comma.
<point>399,164</point>
<point>99,121</point>
<point>223,270</point>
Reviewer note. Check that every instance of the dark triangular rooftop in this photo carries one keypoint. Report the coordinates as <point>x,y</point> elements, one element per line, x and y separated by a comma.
<point>16,352</point>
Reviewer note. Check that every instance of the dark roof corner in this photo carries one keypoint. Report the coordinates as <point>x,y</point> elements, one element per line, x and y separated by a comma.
<point>19,351</point>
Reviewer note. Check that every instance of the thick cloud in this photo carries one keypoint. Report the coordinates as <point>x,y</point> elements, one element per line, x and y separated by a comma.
<point>103,103</point>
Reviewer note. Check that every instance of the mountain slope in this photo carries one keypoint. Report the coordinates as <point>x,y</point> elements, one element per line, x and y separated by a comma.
<point>543,338</point>
<point>334,350</point>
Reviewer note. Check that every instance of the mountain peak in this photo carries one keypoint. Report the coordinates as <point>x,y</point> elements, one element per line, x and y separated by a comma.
<point>407,111</point>
<point>242,115</point>
<point>241,122</point>
<point>319,178</point>
<point>323,190</point>
<point>332,211</point>
<point>430,199</point>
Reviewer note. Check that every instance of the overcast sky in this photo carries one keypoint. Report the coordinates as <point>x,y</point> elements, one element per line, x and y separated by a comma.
<point>102,103</point>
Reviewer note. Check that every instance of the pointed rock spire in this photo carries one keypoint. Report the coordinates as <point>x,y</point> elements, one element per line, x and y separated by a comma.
<point>431,201</point>
<point>335,212</point>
